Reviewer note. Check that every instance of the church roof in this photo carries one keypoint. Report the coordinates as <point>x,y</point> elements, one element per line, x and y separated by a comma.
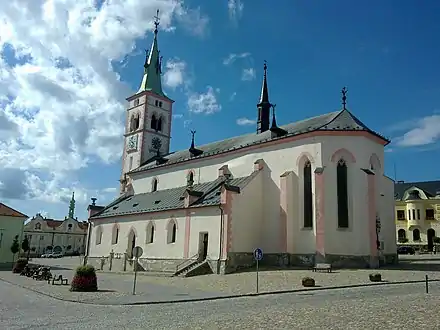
<point>10,212</point>
<point>170,199</point>
<point>342,120</point>
<point>430,188</point>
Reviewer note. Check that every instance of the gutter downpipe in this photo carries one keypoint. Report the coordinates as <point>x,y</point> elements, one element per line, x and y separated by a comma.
<point>222,229</point>
<point>86,254</point>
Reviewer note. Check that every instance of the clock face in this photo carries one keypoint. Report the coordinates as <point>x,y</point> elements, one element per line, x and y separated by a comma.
<point>156,143</point>
<point>132,142</point>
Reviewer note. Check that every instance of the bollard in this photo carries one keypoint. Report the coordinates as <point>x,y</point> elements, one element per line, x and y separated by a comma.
<point>426,283</point>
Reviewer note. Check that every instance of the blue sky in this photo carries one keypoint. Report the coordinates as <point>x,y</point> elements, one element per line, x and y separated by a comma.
<point>385,52</point>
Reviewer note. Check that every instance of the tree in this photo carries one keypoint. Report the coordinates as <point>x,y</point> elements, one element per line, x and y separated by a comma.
<point>25,247</point>
<point>15,247</point>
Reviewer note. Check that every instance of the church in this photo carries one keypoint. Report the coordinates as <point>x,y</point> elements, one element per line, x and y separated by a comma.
<point>306,192</point>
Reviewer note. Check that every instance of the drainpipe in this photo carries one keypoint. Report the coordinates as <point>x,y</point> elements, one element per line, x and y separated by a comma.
<point>86,252</point>
<point>222,229</point>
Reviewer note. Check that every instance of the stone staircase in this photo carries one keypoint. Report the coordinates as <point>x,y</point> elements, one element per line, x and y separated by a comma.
<point>193,267</point>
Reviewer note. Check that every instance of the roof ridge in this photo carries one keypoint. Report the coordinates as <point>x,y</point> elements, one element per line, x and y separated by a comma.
<point>14,210</point>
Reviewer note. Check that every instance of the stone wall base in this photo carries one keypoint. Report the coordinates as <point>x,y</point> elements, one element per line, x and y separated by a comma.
<point>237,261</point>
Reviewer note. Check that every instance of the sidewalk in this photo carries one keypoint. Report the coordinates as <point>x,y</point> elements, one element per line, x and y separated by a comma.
<point>116,289</point>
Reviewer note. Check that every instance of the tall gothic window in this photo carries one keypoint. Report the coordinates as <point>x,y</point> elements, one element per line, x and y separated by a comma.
<point>342,190</point>
<point>308,199</point>
<point>153,122</point>
<point>159,124</point>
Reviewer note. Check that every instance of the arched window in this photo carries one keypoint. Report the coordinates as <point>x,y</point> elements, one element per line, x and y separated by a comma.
<point>159,125</point>
<point>98,235</point>
<point>134,122</point>
<point>153,122</point>
<point>38,226</point>
<point>171,232</point>
<point>401,235</point>
<point>150,233</point>
<point>190,179</point>
<point>154,185</point>
<point>308,198</point>
<point>342,193</point>
<point>115,234</point>
<point>416,235</point>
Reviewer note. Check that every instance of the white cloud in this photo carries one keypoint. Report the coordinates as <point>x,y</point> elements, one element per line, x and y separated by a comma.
<point>65,103</point>
<point>204,102</point>
<point>177,116</point>
<point>248,74</point>
<point>232,97</point>
<point>235,8</point>
<point>245,121</point>
<point>424,131</point>
<point>233,57</point>
<point>174,75</point>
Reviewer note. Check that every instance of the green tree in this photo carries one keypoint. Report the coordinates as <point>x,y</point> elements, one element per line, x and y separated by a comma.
<point>15,247</point>
<point>25,247</point>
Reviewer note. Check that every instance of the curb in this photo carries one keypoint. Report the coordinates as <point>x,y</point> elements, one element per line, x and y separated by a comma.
<point>267,293</point>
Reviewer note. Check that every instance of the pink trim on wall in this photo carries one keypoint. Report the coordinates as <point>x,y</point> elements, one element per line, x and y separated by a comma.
<point>345,154</point>
<point>187,234</point>
<point>276,142</point>
<point>375,161</point>
<point>283,214</point>
<point>372,214</point>
<point>320,213</point>
<point>227,198</point>
<point>304,155</point>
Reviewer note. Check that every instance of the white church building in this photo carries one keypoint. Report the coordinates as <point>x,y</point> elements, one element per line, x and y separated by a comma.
<point>306,192</point>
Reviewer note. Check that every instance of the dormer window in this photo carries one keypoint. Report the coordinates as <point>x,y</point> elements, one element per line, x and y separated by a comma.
<point>38,226</point>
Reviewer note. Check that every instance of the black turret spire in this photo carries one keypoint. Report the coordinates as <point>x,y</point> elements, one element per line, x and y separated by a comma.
<point>193,151</point>
<point>264,105</point>
<point>274,129</point>
<point>344,98</point>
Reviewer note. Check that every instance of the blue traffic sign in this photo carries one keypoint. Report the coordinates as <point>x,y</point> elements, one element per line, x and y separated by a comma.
<point>258,254</point>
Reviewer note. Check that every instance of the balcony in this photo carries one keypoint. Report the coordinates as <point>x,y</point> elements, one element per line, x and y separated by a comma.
<point>412,223</point>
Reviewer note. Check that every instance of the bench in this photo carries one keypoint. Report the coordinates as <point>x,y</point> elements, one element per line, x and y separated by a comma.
<point>323,267</point>
<point>58,279</point>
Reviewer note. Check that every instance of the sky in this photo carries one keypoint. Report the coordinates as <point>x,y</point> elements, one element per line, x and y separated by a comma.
<point>67,66</point>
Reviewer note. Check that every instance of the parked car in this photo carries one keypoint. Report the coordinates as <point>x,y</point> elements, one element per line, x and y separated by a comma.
<point>406,250</point>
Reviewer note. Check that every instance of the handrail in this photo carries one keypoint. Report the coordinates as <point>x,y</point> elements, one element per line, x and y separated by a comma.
<point>192,259</point>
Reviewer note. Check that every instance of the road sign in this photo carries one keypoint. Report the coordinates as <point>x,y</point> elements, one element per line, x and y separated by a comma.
<point>258,254</point>
<point>137,252</point>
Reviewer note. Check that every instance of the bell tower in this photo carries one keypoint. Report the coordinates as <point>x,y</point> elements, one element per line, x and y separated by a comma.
<point>149,113</point>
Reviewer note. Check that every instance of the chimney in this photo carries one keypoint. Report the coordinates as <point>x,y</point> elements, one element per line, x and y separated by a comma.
<point>223,172</point>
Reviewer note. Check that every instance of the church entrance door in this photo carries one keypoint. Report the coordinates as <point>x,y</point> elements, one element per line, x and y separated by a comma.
<point>203,245</point>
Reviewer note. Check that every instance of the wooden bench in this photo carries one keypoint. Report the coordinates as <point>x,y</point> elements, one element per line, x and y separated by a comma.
<point>322,267</point>
<point>58,279</point>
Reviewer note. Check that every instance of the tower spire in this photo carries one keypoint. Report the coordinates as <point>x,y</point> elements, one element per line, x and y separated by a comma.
<point>152,80</point>
<point>72,206</point>
<point>264,105</point>
<point>344,98</point>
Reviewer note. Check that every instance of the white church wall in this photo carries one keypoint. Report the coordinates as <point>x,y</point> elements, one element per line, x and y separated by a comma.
<point>205,220</point>
<point>387,217</point>
<point>355,239</point>
<point>247,217</point>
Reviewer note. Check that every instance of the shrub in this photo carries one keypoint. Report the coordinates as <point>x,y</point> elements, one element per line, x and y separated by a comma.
<point>308,282</point>
<point>19,265</point>
<point>375,277</point>
<point>436,240</point>
<point>85,279</point>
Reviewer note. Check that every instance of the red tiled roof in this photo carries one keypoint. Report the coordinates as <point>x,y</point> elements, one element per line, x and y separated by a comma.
<point>10,212</point>
<point>83,225</point>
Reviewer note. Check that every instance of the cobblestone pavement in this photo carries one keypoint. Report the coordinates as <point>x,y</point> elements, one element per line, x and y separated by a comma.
<point>117,288</point>
<point>385,307</point>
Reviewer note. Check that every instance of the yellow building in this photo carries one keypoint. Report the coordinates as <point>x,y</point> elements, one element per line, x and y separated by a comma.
<point>417,212</point>
<point>11,225</point>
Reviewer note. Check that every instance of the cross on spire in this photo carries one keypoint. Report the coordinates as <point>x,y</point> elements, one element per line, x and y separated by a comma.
<point>344,98</point>
<point>156,21</point>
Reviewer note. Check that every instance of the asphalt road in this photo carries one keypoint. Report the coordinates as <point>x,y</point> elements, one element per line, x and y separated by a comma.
<point>386,307</point>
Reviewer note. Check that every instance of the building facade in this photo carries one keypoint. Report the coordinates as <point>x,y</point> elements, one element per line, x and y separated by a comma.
<point>66,236</point>
<point>309,191</point>
<point>11,225</point>
<point>417,213</point>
